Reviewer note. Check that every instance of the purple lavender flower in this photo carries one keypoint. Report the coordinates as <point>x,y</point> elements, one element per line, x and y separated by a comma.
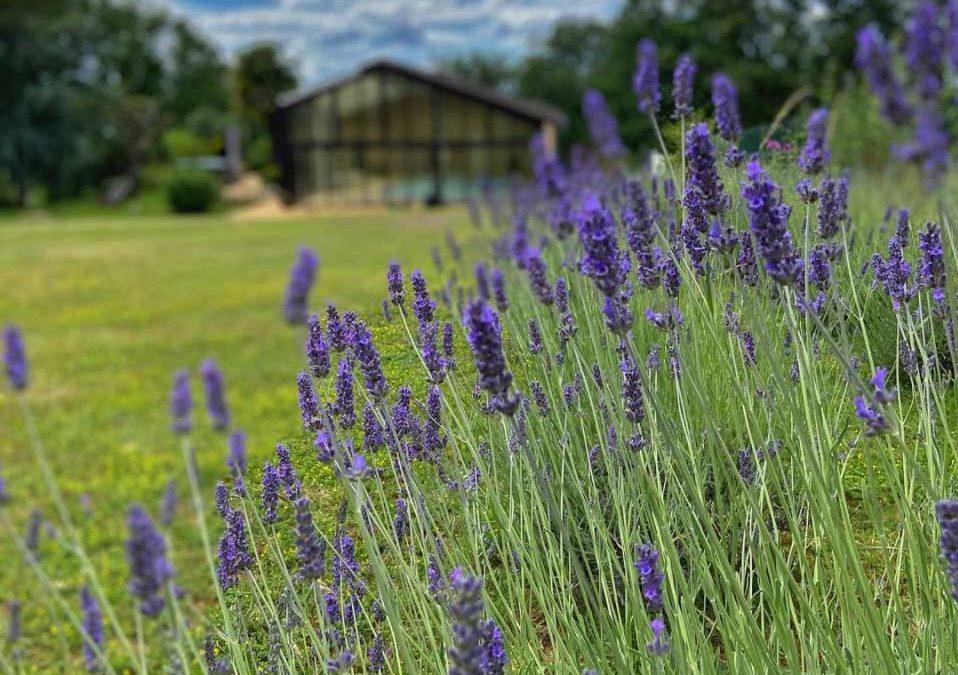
<point>535,337</point>
<point>833,210</point>
<point>14,622</point>
<point>499,290</point>
<point>15,358</point>
<point>370,365</point>
<point>485,339</point>
<point>928,149</point>
<point>725,101</point>
<point>270,493</point>
<point>603,127</point>
<point>806,191</point>
<point>683,81</point>
<point>702,175</point>
<point>233,552</point>
<point>768,220</point>
<point>895,272</point>
<point>748,348</point>
<point>336,331</point>
<point>302,275</point>
<point>433,439</point>
<point>92,625</point>
<point>733,157</point>
<point>946,511</point>
<point>310,548</point>
<point>181,403</point>
<point>931,273</point>
<point>373,438</point>
<point>308,403</point>
<point>215,395</point>
<point>870,409</point>
<point>671,279</point>
<point>668,320</point>
<point>168,503</point>
<point>448,346</point>
<point>873,57</point>
<point>951,32</point>
<point>482,281</point>
<point>423,307</point>
<point>651,578</point>
<point>477,644</point>
<point>317,349</point>
<point>815,154</point>
<point>538,276</point>
<point>401,521</point>
<point>924,49</point>
<point>236,459</point>
<point>745,263</point>
<point>287,473</point>
<point>600,258</point>
<point>357,468</point>
<point>149,569</point>
<point>645,82</point>
<point>377,654</point>
<point>819,269</point>
<point>659,645</point>
<point>345,406</point>
<point>722,239</point>
<point>394,284</point>
<point>539,396</point>
<point>632,398</point>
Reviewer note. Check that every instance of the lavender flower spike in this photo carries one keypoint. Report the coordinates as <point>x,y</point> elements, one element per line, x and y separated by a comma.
<point>308,403</point>
<point>603,127</point>
<point>317,348</point>
<point>725,100</point>
<point>181,403</point>
<point>947,512</point>
<point>683,82</point>
<point>815,154</point>
<point>873,56</point>
<point>645,82</point>
<point>310,548</point>
<point>149,569</point>
<point>768,220</point>
<point>370,364</point>
<point>15,358</point>
<point>485,339</point>
<point>215,395</point>
<point>394,284</point>
<point>302,275</point>
<point>92,630</point>
<point>651,578</point>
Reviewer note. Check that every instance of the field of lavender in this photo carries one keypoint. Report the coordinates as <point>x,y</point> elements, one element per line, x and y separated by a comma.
<point>698,421</point>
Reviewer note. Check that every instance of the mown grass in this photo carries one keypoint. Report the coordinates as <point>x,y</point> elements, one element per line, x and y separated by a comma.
<point>110,308</point>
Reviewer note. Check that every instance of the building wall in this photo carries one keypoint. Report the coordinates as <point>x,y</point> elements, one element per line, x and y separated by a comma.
<point>384,137</point>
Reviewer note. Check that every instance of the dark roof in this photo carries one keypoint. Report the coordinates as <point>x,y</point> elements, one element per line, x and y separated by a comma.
<point>523,107</point>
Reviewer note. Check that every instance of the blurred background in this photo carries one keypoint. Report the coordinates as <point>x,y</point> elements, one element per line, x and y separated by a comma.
<point>110,102</point>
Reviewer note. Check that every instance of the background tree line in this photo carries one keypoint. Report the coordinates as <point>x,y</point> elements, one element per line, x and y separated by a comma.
<point>93,89</point>
<point>771,49</point>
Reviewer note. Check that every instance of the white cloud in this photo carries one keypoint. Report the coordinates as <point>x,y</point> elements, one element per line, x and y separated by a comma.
<point>331,37</point>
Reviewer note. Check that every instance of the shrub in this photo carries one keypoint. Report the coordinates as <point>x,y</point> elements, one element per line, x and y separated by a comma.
<point>191,191</point>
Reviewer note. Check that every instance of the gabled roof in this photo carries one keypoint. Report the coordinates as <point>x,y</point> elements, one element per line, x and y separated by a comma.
<point>523,107</point>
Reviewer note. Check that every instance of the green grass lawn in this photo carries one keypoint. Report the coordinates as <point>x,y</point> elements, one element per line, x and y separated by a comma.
<point>109,309</point>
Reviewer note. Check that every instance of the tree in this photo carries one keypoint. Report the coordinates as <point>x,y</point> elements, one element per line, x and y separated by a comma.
<point>261,76</point>
<point>486,69</point>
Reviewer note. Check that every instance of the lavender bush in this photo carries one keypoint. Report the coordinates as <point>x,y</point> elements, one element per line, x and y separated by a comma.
<point>714,431</point>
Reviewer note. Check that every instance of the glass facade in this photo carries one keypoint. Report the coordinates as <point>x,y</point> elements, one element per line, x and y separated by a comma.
<point>386,137</point>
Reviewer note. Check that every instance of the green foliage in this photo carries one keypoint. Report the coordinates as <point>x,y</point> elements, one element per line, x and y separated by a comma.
<point>261,76</point>
<point>179,142</point>
<point>191,191</point>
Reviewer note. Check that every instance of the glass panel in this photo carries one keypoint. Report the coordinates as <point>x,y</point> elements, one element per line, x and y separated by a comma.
<point>462,119</point>
<point>408,109</point>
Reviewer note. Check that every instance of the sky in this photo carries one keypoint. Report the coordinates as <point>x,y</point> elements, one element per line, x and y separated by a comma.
<point>328,38</point>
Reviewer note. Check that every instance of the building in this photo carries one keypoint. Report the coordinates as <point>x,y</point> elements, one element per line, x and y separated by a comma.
<point>395,134</point>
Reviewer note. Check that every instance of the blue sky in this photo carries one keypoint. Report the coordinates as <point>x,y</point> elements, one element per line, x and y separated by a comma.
<point>331,37</point>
